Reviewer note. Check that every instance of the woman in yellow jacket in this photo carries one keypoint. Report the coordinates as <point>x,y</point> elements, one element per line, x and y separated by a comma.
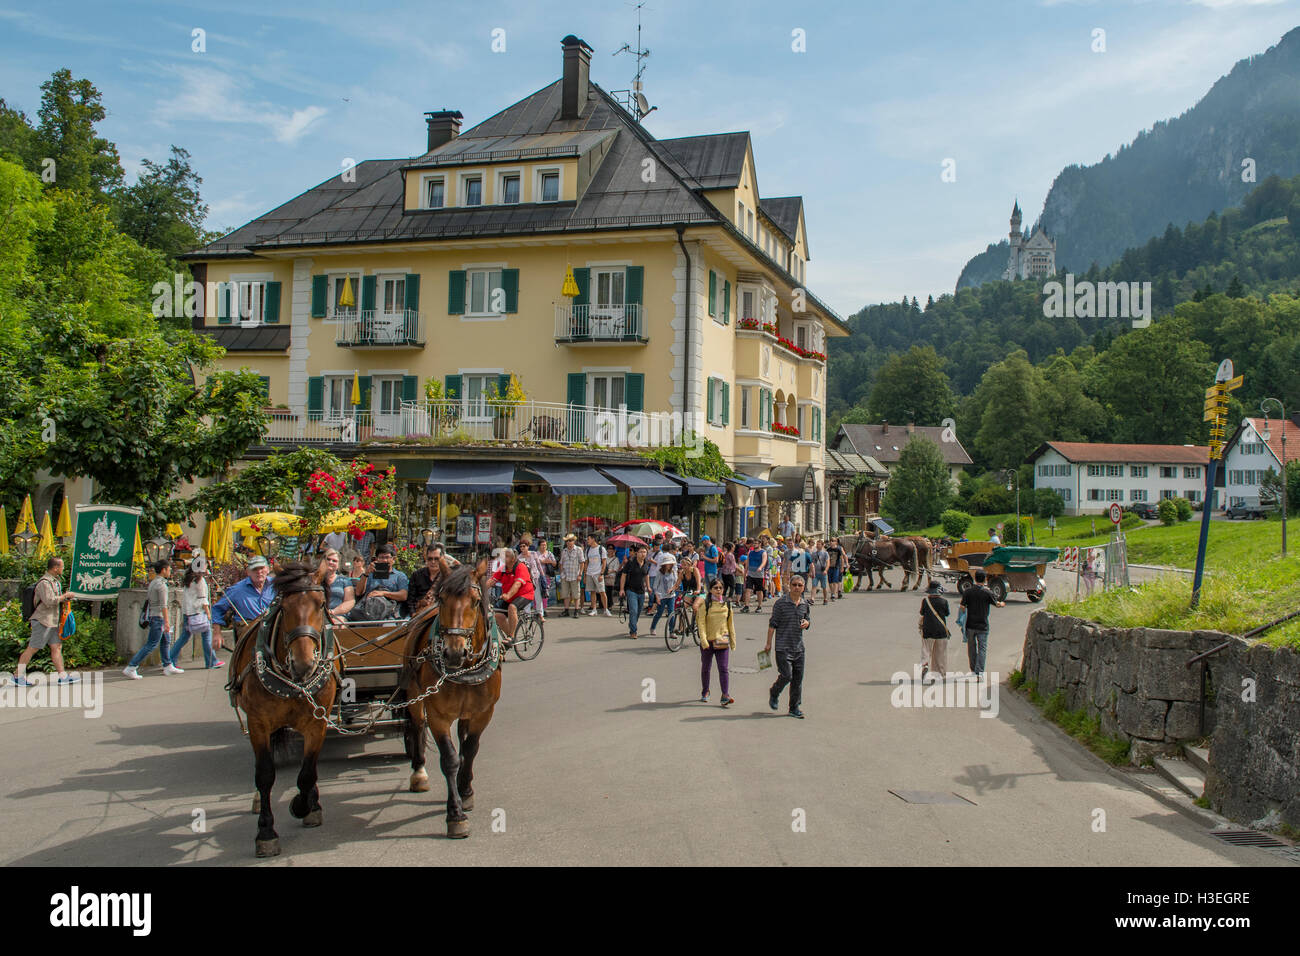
<point>717,639</point>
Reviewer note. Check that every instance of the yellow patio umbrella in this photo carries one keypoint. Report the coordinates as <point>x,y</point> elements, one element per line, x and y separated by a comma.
<point>141,568</point>
<point>281,522</point>
<point>4,532</point>
<point>221,545</point>
<point>45,546</point>
<point>341,519</point>
<point>25,520</point>
<point>64,528</point>
<point>346,299</point>
<point>356,389</point>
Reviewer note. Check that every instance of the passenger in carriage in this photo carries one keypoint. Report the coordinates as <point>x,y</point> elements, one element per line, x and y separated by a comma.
<point>342,596</point>
<point>424,581</point>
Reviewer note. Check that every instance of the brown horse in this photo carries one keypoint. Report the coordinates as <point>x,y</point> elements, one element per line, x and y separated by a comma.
<point>282,675</point>
<point>925,556</point>
<point>873,553</point>
<point>453,674</point>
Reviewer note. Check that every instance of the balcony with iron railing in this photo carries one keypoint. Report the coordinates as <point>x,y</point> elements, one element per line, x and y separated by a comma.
<point>600,325</point>
<point>378,329</point>
<point>475,422</point>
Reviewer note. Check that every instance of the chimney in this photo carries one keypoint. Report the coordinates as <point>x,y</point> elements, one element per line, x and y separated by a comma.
<point>577,69</point>
<point>884,427</point>
<point>444,126</point>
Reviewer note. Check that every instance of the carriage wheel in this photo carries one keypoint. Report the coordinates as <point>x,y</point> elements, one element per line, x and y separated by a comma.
<point>999,588</point>
<point>1035,595</point>
<point>964,584</point>
<point>529,637</point>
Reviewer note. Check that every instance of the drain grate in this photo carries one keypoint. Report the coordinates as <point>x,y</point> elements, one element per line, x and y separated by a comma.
<point>933,797</point>
<point>1249,838</point>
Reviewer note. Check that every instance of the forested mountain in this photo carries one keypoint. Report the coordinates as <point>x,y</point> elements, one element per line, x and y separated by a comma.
<point>1181,169</point>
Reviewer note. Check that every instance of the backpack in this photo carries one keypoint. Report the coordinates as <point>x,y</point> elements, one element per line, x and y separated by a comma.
<point>29,602</point>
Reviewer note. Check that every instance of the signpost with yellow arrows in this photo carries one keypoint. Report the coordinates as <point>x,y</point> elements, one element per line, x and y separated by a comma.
<point>1216,413</point>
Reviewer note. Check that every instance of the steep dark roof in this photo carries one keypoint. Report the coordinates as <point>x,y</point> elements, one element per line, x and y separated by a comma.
<point>714,160</point>
<point>261,338</point>
<point>784,213</point>
<point>886,445</point>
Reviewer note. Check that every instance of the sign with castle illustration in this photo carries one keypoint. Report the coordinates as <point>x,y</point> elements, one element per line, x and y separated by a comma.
<point>102,550</point>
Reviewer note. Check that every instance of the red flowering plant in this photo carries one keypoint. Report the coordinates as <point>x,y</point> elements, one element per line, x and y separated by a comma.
<point>357,487</point>
<point>770,329</point>
<point>785,429</point>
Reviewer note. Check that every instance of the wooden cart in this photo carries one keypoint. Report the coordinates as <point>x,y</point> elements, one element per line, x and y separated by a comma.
<point>1008,568</point>
<point>370,655</point>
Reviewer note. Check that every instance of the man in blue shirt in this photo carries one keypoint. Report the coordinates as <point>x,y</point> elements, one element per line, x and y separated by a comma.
<point>246,600</point>
<point>709,554</point>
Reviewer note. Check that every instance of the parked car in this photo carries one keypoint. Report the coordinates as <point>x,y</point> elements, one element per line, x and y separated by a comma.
<point>1145,510</point>
<point>1249,508</point>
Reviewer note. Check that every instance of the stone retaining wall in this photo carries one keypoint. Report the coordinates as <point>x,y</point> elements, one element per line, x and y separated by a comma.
<point>1138,682</point>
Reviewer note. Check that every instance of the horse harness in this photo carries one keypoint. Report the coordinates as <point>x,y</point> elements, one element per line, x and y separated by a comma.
<point>478,667</point>
<point>276,675</point>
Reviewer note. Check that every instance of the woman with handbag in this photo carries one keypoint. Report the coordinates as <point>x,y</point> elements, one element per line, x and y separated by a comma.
<point>197,614</point>
<point>717,639</point>
<point>933,625</point>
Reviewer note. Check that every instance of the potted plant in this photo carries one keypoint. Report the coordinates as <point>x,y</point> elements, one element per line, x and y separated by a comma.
<point>444,413</point>
<point>504,406</point>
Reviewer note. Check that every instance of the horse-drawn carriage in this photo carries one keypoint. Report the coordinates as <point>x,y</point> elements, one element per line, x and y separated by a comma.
<point>1009,568</point>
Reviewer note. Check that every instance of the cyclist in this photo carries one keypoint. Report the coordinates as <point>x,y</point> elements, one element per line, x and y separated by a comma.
<point>516,593</point>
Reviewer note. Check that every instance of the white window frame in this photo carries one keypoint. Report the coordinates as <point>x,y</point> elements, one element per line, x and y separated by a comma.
<point>486,316</point>
<point>612,310</point>
<point>381,281</point>
<point>608,375</point>
<point>1172,469</point>
<point>1137,471</point>
<point>424,190</point>
<point>462,189</point>
<point>541,171</point>
<point>744,405</point>
<point>465,375</point>
<point>328,412</point>
<point>248,280</point>
<point>499,195</point>
<point>715,387</point>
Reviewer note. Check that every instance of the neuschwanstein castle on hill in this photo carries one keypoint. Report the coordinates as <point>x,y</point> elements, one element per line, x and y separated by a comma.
<point>1034,257</point>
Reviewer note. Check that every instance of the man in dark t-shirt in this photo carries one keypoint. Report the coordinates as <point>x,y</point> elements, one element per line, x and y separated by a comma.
<point>934,631</point>
<point>977,600</point>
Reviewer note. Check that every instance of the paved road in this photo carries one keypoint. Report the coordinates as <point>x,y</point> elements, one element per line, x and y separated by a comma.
<point>584,771</point>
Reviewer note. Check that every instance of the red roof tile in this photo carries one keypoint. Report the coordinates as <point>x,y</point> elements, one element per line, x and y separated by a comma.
<point>1082,451</point>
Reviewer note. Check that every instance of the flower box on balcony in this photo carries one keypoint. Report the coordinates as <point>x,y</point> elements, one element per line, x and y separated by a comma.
<point>788,430</point>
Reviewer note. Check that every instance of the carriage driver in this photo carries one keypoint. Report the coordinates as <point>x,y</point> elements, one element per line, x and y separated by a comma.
<point>516,593</point>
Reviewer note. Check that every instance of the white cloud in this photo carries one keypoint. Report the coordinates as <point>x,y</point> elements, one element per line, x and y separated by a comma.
<point>210,96</point>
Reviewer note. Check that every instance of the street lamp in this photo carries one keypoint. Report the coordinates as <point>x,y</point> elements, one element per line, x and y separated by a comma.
<point>158,549</point>
<point>1267,435</point>
<point>24,543</point>
<point>426,536</point>
<point>268,543</point>
<point>1013,475</point>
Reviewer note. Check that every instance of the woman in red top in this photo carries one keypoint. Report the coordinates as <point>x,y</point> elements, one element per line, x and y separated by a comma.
<point>516,593</point>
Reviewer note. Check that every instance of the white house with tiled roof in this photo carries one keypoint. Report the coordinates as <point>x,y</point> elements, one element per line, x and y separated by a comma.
<point>1248,456</point>
<point>1091,475</point>
<point>885,444</point>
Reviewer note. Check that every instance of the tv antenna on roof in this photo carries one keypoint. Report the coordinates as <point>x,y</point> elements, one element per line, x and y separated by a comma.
<point>633,100</point>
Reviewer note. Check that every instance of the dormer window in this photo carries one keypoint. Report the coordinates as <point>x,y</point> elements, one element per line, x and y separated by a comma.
<point>474,191</point>
<point>510,189</point>
<point>435,193</point>
<point>548,185</point>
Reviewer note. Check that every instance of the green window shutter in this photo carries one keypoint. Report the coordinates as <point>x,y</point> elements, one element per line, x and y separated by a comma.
<point>410,384</point>
<point>266,386</point>
<point>633,284</point>
<point>456,292</point>
<point>271,304</point>
<point>583,278</point>
<point>726,403</point>
<point>368,288</point>
<point>634,391</point>
<point>363,386</point>
<point>726,302</point>
<point>223,306</point>
<point>708,414</point>
<point>510,282</point>
<point>503,383</point>
<point>412,303</point>
<point>817,423</point>
<point>451,385</point>
<point>713,291</point>
<point>315,395</point>
<point>319,293</point>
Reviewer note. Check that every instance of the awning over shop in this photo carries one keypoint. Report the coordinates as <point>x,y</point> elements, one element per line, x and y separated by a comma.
<point>571,479</point>
<point>643,481</point>
<point>471,477</point>
<point>698,486</point>
<point>747,481</point>
<point>797,483</point>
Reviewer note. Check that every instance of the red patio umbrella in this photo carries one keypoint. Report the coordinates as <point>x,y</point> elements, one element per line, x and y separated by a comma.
<point>625,541</point>
<point>649,527</point>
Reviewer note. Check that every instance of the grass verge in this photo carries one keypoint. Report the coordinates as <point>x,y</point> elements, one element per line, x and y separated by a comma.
<point>1077,723</point>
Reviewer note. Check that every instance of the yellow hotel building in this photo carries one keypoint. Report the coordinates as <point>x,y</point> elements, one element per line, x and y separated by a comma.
<point>431,281</point>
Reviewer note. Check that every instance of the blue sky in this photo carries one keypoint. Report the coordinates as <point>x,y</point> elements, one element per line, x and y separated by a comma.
<point>859,124</point>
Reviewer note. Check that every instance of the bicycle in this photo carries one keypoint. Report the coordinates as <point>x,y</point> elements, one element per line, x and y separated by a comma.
<point>529,635</point>
<point>683,622</point>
